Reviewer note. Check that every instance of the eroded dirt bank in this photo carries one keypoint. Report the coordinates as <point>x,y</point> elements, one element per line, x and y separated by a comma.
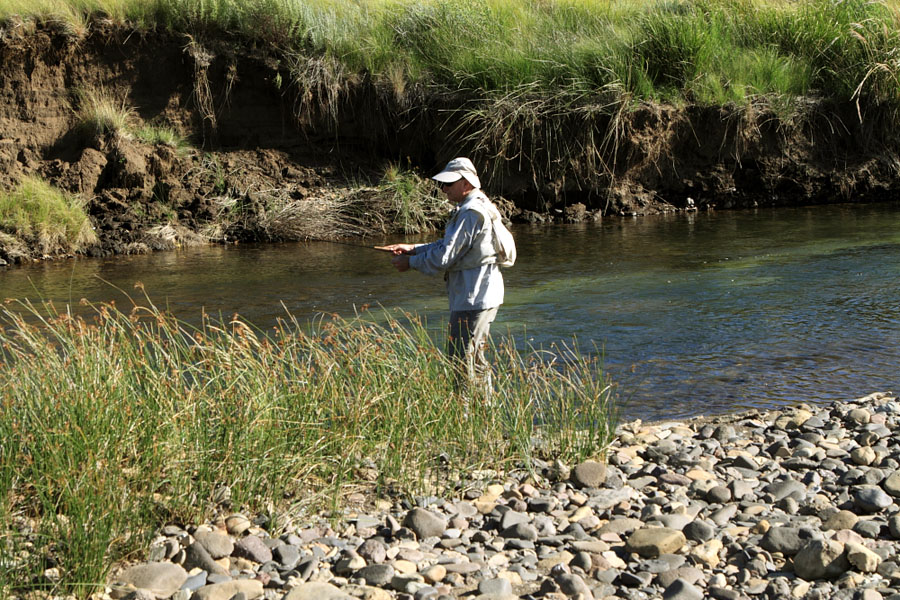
<point>264,128</point>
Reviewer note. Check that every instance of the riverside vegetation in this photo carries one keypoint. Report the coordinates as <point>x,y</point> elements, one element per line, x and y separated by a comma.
<point>614,107</point>
<point>117,424</point>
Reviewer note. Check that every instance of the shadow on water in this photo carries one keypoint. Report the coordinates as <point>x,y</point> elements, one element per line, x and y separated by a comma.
<point>695,314</point>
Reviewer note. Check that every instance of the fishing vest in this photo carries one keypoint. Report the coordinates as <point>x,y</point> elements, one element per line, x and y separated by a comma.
<point>493,243</point>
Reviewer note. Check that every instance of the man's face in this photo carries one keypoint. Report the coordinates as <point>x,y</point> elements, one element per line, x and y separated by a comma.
<point>456,191</point>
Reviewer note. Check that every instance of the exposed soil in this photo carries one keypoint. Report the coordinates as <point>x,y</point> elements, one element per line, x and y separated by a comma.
<point>254,129</point>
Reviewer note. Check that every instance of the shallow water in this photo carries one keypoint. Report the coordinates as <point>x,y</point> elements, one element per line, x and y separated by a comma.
<point>694,314</point>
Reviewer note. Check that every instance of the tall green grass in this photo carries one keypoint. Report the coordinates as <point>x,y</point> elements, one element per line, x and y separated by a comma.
<point>50,219</point>
<point>118,422</point>
<point>703,51</point>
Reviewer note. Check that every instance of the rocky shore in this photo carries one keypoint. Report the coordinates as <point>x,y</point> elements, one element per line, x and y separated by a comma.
<point>799,503</point>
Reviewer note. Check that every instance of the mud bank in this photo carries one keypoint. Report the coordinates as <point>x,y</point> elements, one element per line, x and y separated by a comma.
<point>259,134</point>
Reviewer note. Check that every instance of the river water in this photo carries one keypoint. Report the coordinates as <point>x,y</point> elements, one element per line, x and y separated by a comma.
<point>694,313</point>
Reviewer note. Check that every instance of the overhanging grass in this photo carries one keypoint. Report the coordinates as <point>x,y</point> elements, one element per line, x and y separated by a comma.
<point>706,51</point>
<point>53,220</point>
<point>118,423</point>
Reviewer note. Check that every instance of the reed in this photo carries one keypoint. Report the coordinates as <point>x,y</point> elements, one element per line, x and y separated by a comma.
<point>117,422</point>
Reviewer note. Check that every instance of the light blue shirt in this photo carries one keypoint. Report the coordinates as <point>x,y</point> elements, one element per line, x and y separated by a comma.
<point>467,233</point>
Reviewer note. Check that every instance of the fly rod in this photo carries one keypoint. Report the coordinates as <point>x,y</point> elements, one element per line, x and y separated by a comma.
<point>355,245</point>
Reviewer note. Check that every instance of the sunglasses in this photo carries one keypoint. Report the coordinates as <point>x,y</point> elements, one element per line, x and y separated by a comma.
<point>445,185</point>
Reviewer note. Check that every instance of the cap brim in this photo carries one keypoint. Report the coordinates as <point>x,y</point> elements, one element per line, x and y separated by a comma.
<point>447,176</point>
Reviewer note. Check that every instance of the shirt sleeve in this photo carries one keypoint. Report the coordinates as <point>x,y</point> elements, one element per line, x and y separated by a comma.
<point>437,257</point>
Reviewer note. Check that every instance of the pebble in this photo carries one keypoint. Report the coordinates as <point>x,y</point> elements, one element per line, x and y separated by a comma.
<point>798,503</point>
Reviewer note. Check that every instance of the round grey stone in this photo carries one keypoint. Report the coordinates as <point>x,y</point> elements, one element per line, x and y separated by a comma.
<point>497,587</point>
<point>377,575</point>
<point>161,578</point>
<point>699,531</point>
<point>589,474</point>
<point>871,499</point>
<point>217,544</point>
<point>252,548</point>
<point>425,523</point>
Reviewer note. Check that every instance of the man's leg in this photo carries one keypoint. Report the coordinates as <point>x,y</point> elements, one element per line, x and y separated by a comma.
<point>469,334</point>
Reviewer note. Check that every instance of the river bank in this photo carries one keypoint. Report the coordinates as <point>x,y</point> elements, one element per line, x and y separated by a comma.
<point>799,503</point>
<point>165,140</point>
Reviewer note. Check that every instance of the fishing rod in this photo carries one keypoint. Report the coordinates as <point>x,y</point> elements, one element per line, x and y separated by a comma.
<point>355,245</point>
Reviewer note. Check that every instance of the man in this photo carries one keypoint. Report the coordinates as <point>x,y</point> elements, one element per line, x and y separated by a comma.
<point>467,257</point>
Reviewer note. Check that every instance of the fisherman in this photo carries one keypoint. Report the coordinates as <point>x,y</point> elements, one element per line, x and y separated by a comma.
<point>468,258</point>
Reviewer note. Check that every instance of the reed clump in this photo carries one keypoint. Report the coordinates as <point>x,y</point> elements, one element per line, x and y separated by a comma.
<point>117,422</point>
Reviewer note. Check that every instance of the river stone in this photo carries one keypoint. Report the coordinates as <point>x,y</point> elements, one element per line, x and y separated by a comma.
<point>589,474</point>
<point>425,523</point>
<point>317,591</point>
<point>682,590</point>
<point>719,494</point>
<point>690,574</point>
<point>786,488</point>
<point>161,578</point>
<point>892,484</point>
<point>843,519</point>
<point>252,548</point>
<point>665,562</point>
<point>196,556</point>
<point>622,525</point>
<point>217,544</point>
<point>821,559</point>
<point>377,575</point>
<point>434,574</point>
<point>871,499</point>
<point>862,558</point>
<point>512,517</point>
<point>237,524</point>
<point>699,531</point>
<point>250,588</point>
<point>651,542</point>
<point>787,540</point>
<point>521,531</point>
<point>373,551</point>
<point>860,416</point>
<point>287,555</point>
<point>497,587</point>
<point>573,585</point>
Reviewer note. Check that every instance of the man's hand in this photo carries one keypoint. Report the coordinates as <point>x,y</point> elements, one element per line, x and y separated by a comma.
<point>400,262</point>
<point>396,249</point>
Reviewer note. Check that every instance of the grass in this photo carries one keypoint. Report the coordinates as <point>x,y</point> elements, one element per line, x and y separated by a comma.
<point>411,203</point>
<point>55,222</point>
<point>121,421</point>
<point>100,113</point>
<point>707,51</point>
<point>534,86</point>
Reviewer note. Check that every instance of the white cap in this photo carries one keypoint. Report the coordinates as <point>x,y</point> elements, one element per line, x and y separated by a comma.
<point>457,169</point>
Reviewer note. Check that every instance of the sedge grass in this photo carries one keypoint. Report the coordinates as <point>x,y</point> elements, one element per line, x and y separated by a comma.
<point>46,217</point>
<point>118,422</point>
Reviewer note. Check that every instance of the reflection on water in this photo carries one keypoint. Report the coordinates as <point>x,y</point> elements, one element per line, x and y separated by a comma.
<point>695,313</point>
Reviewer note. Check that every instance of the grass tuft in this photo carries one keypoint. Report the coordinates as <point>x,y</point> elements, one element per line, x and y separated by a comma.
<point>100,113</point>
<point>118,422</point>
<point>54,221</point>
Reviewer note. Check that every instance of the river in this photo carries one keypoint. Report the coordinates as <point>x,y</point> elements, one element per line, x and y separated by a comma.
<point>696,313</point>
